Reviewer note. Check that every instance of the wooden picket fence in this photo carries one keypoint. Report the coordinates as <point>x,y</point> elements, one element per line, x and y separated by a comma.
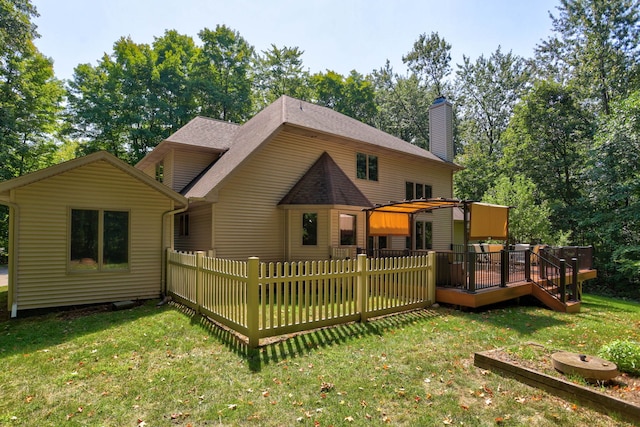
<point>260,300</point>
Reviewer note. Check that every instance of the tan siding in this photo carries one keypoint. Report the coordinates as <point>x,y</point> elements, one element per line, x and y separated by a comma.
<point>187,165</point>
<point>43,279</point>
<point>309,253</point>
<point>199,238</point>
<point>248,222</point>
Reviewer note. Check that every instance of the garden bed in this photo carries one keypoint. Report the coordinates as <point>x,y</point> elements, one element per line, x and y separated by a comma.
<point>532,364</point>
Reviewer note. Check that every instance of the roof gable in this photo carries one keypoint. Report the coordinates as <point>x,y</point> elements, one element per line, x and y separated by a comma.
<point>325,184</point>
<point>294,113</point>
<point>61,168</point>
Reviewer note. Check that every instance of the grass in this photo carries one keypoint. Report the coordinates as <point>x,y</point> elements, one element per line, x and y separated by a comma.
<point>164,367</point>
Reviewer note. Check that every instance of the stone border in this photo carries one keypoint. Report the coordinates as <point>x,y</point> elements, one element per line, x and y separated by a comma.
<point>600,402</point>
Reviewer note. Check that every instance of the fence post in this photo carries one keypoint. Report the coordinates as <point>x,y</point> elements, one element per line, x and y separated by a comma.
<point>168,282</point>
<point>253,301</point>
<point>199,276</point>
<point>431,277</point>
<point>574,279</point>
<point>527,265</point>
<point>361,284</point>
<point>563,281</point>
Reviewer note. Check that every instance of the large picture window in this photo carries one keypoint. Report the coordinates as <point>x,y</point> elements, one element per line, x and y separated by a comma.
<point>99,240</point>
<point>309,229</point>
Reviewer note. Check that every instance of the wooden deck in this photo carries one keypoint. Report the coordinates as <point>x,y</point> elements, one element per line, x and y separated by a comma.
<point>492,295</point>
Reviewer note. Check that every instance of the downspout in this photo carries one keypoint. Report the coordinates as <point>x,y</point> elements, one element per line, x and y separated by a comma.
<point>163,285</point>
<point>13,265</point>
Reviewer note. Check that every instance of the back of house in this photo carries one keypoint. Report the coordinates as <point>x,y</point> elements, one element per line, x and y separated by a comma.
<point>292,183</point>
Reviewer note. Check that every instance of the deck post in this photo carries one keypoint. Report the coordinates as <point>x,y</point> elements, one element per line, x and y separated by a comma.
<point>574,279</point>
<point>504,268</point>
<point>253,301</point>
<point>471,277</point>
<point>527,265</point>
<point>563,281</point>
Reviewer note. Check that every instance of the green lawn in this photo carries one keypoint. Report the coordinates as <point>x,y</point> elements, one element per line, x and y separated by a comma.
<point>164,367</point>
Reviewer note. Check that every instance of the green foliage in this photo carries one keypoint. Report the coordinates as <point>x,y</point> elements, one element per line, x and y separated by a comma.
<point>352,96</point>
<point>547,140</point>
<point>279,72</point>
<point>488,89</point>
<point>625,354</point>
<point>222,75</point>
<point>30,96</point>
<point>403,105</point>
<point>430,59</point>
<point>595,46</point>
<point>529,218</point>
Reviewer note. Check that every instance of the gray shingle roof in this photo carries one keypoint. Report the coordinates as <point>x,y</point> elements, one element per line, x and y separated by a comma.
<point>244,140</point>
<point>200,133</point>
<point>325,184</point>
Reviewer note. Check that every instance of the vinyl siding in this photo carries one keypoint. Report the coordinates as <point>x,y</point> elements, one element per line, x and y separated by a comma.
<point>42,277</point>
<point>300,252</point>
<point>199,238</point>
<point>248,222</point>
<point>186,165</point>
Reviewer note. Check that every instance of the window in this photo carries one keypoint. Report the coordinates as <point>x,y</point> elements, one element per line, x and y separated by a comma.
<point>183,225</point>
<point>417,191</point>
<point>423,235</point>
<point>99,240</point>
<point>347,229</point>
<point>309,229</point>
<point>160,172</point>
<point>366,167</point>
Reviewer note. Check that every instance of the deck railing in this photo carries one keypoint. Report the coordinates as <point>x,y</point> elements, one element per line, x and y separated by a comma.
<point>261,300</point>
<point>474,271</point>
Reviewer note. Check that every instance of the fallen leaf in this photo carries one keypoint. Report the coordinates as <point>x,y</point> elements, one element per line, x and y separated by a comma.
<point>349,419</point>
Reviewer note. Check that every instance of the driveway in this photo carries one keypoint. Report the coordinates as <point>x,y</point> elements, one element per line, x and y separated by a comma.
<point>4,276</point>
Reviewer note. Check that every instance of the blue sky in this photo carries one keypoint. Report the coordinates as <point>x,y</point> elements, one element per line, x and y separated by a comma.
<point>339,35</point>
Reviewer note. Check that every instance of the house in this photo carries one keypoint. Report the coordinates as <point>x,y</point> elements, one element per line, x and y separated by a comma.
<point>292,183</point>
<point>90,230</point>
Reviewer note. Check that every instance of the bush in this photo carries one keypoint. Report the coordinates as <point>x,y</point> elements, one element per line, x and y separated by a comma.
<point>625,354</point>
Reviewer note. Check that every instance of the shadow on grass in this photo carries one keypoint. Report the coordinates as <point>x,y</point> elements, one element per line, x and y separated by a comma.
<point>274,350</point>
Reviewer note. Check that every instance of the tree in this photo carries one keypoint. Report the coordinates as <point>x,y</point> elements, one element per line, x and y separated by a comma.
<point>352,96</point>
<point>403,106</point>
<point>30,99</point>
<point>222,79</point>
<point>430,60</point>
<point>279,72</point>
<point>30,96</point>
<point>612,220</point>
<point>548,139</point>
<point>596,44</point>
<point>487,89</point>
<point>133,98</point>
<point>529,217</point>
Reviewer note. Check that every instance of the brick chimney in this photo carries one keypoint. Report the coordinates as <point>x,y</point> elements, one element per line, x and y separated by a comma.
<point>441,129</point>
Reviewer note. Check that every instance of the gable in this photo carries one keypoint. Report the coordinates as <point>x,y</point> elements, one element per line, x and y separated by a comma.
<point>81,162</point>
<point>307,119</point>
<point>325,184</point>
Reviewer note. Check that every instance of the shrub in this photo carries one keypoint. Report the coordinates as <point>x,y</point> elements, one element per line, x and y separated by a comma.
<point>625,354</point>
